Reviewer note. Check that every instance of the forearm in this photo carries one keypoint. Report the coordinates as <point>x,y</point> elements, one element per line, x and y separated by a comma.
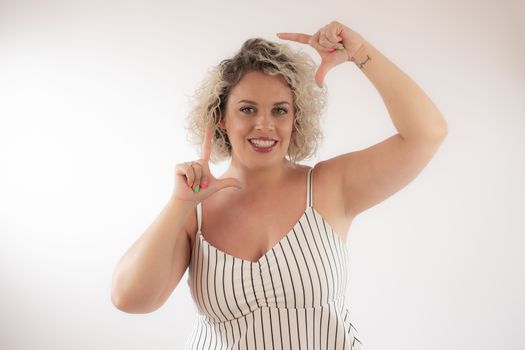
<point>413,114</point>
<point>143,272</point>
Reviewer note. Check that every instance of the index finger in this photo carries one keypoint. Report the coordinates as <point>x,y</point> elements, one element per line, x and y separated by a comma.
<point>206,144</point>
<point>299,37</point>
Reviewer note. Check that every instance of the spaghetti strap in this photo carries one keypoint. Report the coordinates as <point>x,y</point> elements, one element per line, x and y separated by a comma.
<point>199,216</point>
<point>309,189</point>
<point>309,199</point>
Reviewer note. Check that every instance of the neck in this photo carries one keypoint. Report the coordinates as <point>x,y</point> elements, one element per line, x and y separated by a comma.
<point>260,180</point>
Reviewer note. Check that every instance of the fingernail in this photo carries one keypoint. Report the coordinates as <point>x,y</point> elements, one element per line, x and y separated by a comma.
<point>196,189</point>
<point>340,48</point>
<point>204,184</point>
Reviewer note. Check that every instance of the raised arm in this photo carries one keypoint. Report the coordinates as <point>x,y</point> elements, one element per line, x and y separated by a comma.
<point>369,176</point>
<point>152,267</point>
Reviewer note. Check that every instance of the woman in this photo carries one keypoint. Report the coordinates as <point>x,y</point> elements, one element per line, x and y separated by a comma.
<point>265,242</point>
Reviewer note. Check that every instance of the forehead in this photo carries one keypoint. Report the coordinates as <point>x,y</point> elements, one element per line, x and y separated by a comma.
<point>260,87</point>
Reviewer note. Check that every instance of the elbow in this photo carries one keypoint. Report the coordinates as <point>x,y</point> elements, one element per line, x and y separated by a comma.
<point>131,305</point>
<point>131,299</point>
<point>438,129</point>
<point>119,297</point>
<point>120,301</point>
<point>439,133</point>
<point>444,130</point>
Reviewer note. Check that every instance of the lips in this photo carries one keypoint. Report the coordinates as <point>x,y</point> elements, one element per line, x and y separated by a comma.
<point>260,142</point>
<point>262,149</point>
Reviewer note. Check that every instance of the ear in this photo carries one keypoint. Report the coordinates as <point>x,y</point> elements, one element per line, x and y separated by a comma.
<point>222,123</point>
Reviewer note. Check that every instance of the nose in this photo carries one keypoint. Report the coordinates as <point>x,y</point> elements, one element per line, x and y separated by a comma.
<point>264,122</point>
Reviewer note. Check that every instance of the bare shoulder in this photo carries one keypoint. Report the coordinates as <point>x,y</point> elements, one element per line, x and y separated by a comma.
<point>327,183</point>
<point>328,197</point>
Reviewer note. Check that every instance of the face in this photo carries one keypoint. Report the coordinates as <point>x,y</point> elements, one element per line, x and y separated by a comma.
<point>260,105</point>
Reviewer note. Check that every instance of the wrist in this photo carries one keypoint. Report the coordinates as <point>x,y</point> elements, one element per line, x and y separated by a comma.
<point>360,57</point>
<point>181,203</point>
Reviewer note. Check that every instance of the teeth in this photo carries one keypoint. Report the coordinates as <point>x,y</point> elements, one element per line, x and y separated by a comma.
<point>260,143</point>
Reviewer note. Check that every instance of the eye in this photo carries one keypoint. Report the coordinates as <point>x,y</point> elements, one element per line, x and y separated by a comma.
<point>245,108</point>
<point>282,110</point>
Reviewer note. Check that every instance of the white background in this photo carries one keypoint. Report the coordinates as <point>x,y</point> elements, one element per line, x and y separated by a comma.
<point>93,96</point>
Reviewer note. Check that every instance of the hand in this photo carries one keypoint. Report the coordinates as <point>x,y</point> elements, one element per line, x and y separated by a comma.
<point>325,42</point>
<point>194,181</point>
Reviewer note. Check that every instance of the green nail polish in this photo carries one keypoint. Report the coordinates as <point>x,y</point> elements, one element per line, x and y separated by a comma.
<point>340,48</point>
<point>197,189</point>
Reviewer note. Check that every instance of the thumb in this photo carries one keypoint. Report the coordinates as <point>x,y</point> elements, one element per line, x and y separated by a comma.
<point>321,73</point>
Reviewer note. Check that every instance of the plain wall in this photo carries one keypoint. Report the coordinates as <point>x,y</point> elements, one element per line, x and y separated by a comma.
<point>93,96</point>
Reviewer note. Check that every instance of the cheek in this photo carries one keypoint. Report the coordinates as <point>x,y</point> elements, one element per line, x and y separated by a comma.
<point>289,128</point>
<point>241,130</point>
<point>237,125</point>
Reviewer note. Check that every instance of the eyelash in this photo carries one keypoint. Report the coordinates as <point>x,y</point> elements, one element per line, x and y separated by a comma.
<point>283,109</point>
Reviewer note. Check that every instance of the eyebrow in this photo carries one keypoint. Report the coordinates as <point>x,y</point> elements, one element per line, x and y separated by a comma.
<point>253,102</point>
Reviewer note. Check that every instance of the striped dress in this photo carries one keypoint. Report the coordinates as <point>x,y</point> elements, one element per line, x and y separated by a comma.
<point>293,297</point>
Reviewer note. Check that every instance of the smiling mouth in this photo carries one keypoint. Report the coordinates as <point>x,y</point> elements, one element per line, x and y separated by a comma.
<point>263,144</point>
<point>263,148</point>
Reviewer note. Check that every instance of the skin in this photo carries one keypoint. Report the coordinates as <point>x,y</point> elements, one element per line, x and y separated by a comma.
<point>265,190</point>
<point>344,186</point>
<point>259,172</point>
<point>272,195</point>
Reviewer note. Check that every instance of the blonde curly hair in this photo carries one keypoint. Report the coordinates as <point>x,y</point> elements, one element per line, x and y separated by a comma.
<point>257,54</point>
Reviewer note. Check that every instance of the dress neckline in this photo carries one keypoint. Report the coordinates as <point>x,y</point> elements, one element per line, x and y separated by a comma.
<point>336,236</point>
